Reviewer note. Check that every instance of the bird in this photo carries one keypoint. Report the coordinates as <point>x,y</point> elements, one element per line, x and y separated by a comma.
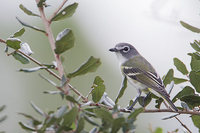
<point>140,73</point>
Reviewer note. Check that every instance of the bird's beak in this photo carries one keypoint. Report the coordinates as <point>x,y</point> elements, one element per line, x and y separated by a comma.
<point>113,50</point>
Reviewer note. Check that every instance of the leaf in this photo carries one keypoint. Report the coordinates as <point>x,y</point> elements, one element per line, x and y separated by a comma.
<point>41,3</point>
<point>191,100</point>
<point>158,101</point>
<point>25,48</point>
<point>27,11</point>
<point>52,92</point>
<point>48,80</point>
<point>190,27</point>
<point>71,99</point>
<point>90,65</point>
<point>158,130</point>
<point>29,26</point>
<point>196,55</point>
<point>66,12</point>
<point>186,91</point>
<point>70,116</point>
<point>26,127</point>
<point>18,33</point>
<point>37,109</point>
<point>104,114</point>
<point>180,66</point>
<point>196,45</point>
<point>184,105</point>
<point>3,118</point>
<point>91,121</point>
<point>2,108</point>
<point>134,114</point>
<point>179,80</point>
<point>195,80</point>
<point>81,124</point>
<point>122,90</point>
<point>13,43</point>
<point>144,101</point>
<point>117,124</point>
<point>99,89</point>
<point>35,121</point>
<point>21,58</point>
<point>195,64</point>
<point>60,112</point>
<point>64,41</point>
<point>196,121</point>
<point>169,77</point>
<point>171,116</point>
<point>34,69</point>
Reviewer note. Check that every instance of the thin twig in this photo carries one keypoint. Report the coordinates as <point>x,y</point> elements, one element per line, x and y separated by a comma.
<point>183,125</point>
<point>57,10</point>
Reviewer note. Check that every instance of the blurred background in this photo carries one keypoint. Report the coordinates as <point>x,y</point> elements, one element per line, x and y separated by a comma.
<point>152,26</point>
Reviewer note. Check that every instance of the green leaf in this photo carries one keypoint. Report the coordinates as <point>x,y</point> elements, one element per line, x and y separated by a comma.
<point>21,58</point>
<point>195,80</point>
<point>158,103</point>
<point>70,116</point>
<point>190,27</point>
<point>191,100</point>
<point>117,124</point>
<point>103,114</point>
<point>186,91</point>
<point>52,92</point>
<point>34,69</point>
<point>34,120</point>
<point>195,64</point>
<point>144,101</point>
<point>3,118</point>
<point>18,33</point>
<point>90,65</point>
<point>13,43</point>
<point>169,77</point>
<point>37,109</point>
<point>64,41</point>
<point>71,99</point>
<point>41,3</point>
<point>81,124</point>
<point>158,130</point>
<point>26,127</point>
<point>66,12</point>
<point>122,90</point>
<point>196,121</point>
<point>2,107</point>
<point>128,125</point>
<point>196,45</point>
<point>27,11</point>
<point>48,80</point>
<point>136,112</point>
<point>60,112</point>
<point>91,121</point>
<point>179,80</point>
<point>180,66</point>
<point>99,89</point>
<point>29,26</point>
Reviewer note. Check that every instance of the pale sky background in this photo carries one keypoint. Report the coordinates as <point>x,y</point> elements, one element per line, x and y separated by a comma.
<point>152,26</point>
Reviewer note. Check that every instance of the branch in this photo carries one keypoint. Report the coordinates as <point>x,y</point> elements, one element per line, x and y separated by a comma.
<point>183,125</point>
<point>57,10</point>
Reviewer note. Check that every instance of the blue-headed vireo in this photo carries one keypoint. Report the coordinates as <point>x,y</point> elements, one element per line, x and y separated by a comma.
<point>140,73</point>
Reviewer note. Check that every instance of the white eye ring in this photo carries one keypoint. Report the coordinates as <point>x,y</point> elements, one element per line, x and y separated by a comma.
<point>126,49</point>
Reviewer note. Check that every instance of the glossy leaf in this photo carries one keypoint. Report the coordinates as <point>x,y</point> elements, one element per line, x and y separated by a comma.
<point>28,70</point>
<point>18,33</point>
<point>70,116</point>
<point>134,114</point>
<point>27,11</point>
<point>191,100</point>
<point>66,12</point>
<point>195,80</point>
<point>104,114</point>
<point>37,109</point>
<point>195,64</point>
<point>169,77</point>
<point>26,127</point>
<point>190,27</point>
<point>117,124</point>
<point>196,45</point>
<point>29,26</point>
<point>81,124</point>
<point>186,91</point>
<point>13,43</point>
<point>180,66</point>
<point>196,121</point>
<point>90,65</point>
<point>98,89</point>
<point>179,80</point>
<point>21,58</point>
<point>122,90</point>
<point>64,41</point>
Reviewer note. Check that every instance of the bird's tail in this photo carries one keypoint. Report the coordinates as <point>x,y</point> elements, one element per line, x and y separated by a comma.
<point>173,107</point>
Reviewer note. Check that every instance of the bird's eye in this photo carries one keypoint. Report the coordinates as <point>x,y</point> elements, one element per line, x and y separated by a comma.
<point>126,49</point>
